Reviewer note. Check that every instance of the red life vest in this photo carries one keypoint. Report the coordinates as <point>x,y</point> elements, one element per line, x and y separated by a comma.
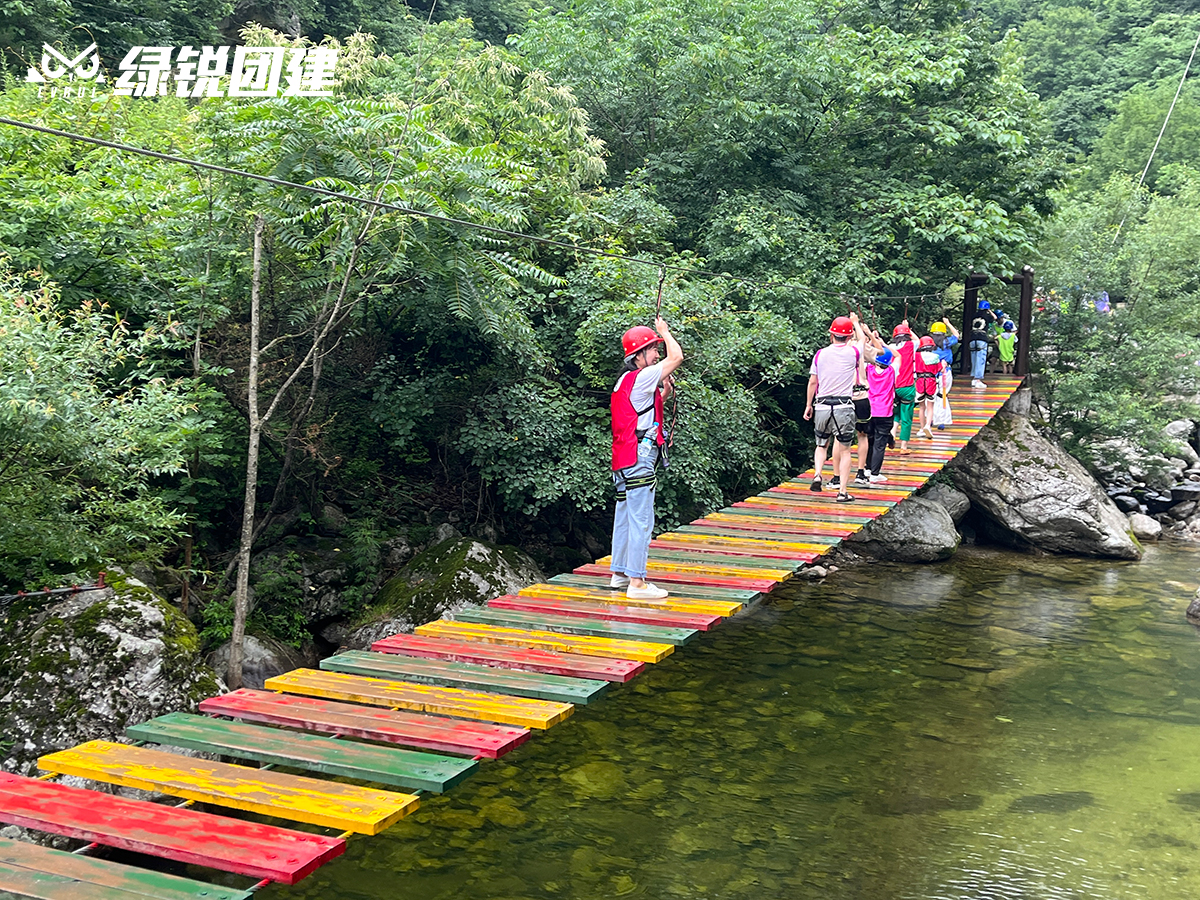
<point>625,419</point>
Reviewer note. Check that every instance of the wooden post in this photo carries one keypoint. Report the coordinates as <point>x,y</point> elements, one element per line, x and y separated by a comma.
<point>1024,322</point>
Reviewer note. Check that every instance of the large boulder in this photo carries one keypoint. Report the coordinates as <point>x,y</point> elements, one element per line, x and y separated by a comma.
<point>917,530</point>
<point>1038,495</point>
<point>954,501</point>
<point>86,667</point>
<point>448,576</point>
<point>263,658</point>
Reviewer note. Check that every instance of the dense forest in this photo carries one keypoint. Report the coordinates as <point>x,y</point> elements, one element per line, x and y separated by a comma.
<point>765,164</point>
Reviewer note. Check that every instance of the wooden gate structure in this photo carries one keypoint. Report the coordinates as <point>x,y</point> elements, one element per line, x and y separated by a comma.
<point>420,712</point>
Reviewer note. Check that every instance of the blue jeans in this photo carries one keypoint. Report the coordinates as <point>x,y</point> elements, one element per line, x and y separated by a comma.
<point>978,359</point>
<point>633,524</point>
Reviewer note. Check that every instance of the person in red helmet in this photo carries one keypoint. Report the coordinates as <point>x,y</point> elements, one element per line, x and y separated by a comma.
<point>927,368</point>
<point>906,392</point>
<point>835,370</point>
<point>637,426</point>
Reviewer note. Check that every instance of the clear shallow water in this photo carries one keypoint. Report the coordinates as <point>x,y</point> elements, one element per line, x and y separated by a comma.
<point>998,726</point>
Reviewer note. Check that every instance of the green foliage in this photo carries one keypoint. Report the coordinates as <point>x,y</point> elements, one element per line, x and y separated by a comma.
<point>1125,374</point>
<point>278,598</point>
<point>86,423</point>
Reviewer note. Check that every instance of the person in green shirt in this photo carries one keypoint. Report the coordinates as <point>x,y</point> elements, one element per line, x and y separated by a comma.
<point>1006,345</point>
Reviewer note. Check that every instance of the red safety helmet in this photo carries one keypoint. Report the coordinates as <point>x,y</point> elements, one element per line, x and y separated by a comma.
<point>901,329</point>
<point>638,338</point>
<point>842,326</point>
<point>927,343</point>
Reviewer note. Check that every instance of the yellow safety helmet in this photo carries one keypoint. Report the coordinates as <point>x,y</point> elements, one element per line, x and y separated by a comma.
<point>937,328</point>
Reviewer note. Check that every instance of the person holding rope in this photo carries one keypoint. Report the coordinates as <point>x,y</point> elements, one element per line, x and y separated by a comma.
<point>906,392</point>
<point>637,427</point>
<point>835,369</point>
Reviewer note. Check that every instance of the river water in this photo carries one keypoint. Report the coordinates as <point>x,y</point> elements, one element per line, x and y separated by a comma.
<point>996,726</point>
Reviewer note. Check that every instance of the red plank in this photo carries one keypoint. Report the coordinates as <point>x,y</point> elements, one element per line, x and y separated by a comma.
<point>184,835</point>
<point>408,729</point>
<point>550,662</point>
<point>731,581</point>
<point>815,527</point>
<point>608,612</point>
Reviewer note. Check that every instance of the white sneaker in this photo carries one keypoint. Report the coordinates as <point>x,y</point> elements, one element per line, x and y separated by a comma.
<point>877,479</point>
<point>649,592</point>
<point>618,581</point>
<point>978,384</point>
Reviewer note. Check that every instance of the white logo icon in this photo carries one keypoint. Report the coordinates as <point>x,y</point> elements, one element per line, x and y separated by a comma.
<point>84,67</point>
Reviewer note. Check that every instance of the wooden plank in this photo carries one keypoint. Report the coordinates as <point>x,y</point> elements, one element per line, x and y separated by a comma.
<point>469,676</point>
<point>744,542</point>
<point>698,591</point>
<point>183,835</point>
<point>709,548</point>
<point>706,569</point>
<point>387,726</point>
<point>346,807</point>
<point>367,762</point>
<point>810,532</point>
<point>607,595</point>
<point>427,698</point>
<point>609,612</point>
<point>527,660</point>
<point>763,509</point>
<point>30,870</point>
<point>515,618</point>
<point>609,648</point>
<point>695,576</point>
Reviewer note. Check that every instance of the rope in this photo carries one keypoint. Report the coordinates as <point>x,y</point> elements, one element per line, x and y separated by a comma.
<point>417,213</point>
<point>662,274</point>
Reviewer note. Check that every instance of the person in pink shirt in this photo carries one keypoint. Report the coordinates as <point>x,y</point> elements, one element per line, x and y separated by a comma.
<point>881,388</point>
<point>906,393</point>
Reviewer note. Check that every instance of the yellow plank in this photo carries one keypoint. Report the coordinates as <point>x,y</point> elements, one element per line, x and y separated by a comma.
<point>346,807</point>
<point>798,507</point>
<point>444,701</point>
<point>672,603</point>
<point>749,541</point>
<point>700,568</point>
<point>609,648</point>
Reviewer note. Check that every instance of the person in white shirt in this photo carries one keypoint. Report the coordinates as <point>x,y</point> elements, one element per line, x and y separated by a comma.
<point>830,403</point>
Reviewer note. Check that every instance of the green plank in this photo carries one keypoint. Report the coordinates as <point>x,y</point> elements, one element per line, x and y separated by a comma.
<point>729,531</point>
<point>865,494</point>
<point>367,762</point>
<point>514,618</point>
<point>467,676</point>
<point>30,870</point>
<point>695,591</point>
<point>711,555</point>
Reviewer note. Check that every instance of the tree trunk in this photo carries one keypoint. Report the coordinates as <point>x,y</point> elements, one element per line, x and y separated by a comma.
<point>233,675</point>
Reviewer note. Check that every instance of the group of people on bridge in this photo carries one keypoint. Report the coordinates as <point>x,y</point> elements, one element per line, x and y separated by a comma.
<point>859,387</point>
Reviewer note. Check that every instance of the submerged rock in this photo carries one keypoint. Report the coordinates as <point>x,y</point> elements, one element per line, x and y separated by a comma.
<point>449,576</point>
<point>1193,610</point>
<point>86,667</point>
<point>1038,495</point>
<point>917,530</point>
<point>1058,802</point>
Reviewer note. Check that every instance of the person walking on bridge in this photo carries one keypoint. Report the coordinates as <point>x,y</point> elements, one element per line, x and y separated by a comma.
<point>835,370</point>
<point>637,427</point>
<point>906,391</point>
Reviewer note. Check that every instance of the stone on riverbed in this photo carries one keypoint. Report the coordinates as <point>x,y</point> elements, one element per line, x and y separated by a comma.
<point>917,530</point>
<point>1037,494</point>
<point>1144,528</point>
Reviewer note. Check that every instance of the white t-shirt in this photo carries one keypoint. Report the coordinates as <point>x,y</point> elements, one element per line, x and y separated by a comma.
<point>836,367</point>
<point>642,396</point>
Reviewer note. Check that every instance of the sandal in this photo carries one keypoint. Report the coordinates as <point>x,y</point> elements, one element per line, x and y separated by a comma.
<point>844,498</point>
<point>815,487</point>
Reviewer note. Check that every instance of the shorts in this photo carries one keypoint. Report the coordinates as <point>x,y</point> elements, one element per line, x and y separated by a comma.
<point>834,418</point>
<point>862,413</point>
<point>926,388</point>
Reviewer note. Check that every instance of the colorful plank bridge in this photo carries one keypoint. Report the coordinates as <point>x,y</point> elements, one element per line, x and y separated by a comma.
<point>419,711</point>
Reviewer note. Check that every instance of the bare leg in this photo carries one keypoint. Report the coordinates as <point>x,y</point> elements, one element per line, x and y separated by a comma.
<point>842,458</point>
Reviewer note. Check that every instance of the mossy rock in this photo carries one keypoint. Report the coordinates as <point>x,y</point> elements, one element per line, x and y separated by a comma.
<point>86,667</point>
<point>445,577</point>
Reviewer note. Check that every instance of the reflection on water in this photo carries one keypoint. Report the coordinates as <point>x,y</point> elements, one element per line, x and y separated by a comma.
<point>998,726</point>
